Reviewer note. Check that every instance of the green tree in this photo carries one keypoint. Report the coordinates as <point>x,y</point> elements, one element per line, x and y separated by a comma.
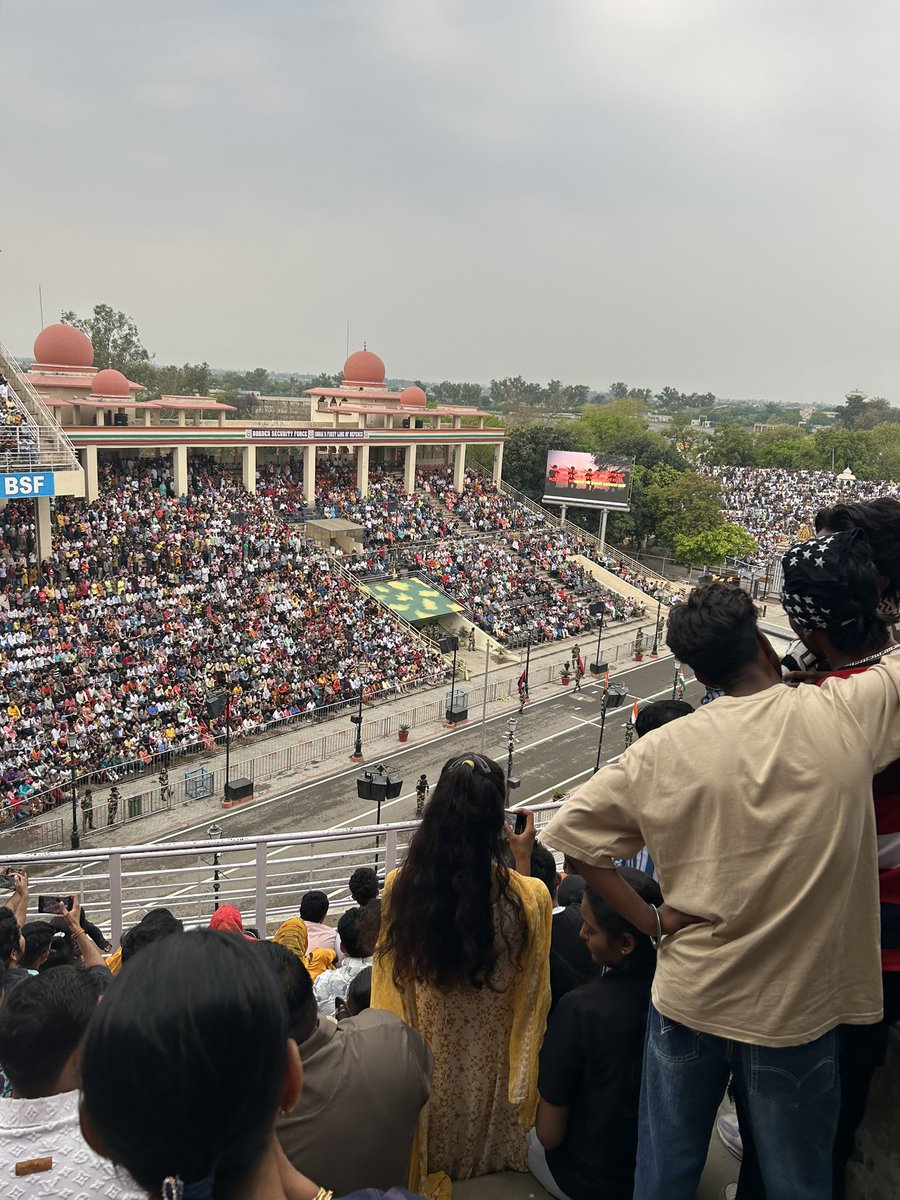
<point>731,447</point>
<point>713,546</point>
<point>685,507</point>
<point>114,336</point>
<point>324,380</point>
<point>846,448</point>
<point>525,454</point>
<point>792,453</point>
<point>886,440</point>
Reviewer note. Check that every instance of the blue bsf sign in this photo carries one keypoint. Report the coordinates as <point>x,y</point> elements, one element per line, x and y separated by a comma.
<point>27,486</point>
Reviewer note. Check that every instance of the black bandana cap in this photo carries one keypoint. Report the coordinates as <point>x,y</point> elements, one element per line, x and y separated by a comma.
<point>815,594</point>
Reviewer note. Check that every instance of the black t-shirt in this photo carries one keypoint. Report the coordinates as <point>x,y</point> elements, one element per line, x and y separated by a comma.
<point>570,960</point>
<point>591,1064</point>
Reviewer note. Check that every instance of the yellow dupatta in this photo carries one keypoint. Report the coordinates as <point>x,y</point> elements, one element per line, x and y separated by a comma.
<point>531,1004</point>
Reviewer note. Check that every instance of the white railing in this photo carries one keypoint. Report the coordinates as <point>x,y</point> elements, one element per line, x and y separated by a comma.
<point>263,876</point>
<point>53,450</point>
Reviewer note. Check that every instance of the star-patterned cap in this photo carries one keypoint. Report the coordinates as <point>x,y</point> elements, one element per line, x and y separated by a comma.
<point>816,594</point>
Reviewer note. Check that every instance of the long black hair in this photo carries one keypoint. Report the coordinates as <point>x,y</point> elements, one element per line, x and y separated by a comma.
<point>439,927</point>
<point>184,1061</point>
<point>642,960</point>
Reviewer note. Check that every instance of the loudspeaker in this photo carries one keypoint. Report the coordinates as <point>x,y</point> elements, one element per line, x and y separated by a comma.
<point>239,789</point>
<point>448,644</point>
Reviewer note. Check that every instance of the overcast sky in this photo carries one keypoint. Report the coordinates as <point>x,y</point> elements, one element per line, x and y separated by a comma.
<point>701,193</point>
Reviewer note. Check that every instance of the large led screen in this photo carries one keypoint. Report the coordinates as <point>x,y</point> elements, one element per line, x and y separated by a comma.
<point>593,480</point>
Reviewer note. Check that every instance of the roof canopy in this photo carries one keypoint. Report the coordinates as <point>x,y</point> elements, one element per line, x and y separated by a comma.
<point>413,599</point>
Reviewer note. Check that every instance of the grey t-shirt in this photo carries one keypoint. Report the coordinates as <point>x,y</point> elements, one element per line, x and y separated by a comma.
<point>365,1080</point>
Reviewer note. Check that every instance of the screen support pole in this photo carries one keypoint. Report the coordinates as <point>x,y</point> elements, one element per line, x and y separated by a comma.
<point>603,520</point>
<point>562,516</point>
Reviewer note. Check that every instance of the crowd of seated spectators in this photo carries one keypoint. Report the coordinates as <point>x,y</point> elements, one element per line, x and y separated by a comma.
<point>503,590</point>
<point>481,504</point>
<point>388,515</point>
<point>774,503</point>
<point>110,648</point>
<point>457,1025</point>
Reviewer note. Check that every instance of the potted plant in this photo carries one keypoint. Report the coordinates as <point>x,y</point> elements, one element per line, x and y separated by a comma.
<point>639,646</point>
<point>566,673</point>
<point>403,733</point>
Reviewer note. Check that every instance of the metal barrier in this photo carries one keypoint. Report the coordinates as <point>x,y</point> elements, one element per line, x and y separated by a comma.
<point>263,876</point>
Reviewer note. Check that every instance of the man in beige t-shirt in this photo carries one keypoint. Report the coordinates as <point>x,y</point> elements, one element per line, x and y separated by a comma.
<point>757,812</point>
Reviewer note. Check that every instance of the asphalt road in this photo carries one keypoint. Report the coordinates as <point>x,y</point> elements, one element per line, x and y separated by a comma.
<point>555,750</point>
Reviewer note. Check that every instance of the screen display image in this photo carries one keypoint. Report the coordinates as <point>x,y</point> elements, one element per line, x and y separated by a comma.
<point>595,480</point>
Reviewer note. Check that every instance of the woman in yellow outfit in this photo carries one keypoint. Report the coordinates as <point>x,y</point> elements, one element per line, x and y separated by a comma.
<point>464,959</point>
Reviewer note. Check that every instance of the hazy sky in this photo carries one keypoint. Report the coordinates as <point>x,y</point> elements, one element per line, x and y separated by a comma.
<point>701,193</point>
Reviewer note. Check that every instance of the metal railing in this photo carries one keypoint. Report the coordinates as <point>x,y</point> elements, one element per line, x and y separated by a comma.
<point>263,876</point>
<point>53,451</point>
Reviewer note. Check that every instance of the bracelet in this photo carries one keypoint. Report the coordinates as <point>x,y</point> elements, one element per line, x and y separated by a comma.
<point>78,933</point>
<point>655,941</point>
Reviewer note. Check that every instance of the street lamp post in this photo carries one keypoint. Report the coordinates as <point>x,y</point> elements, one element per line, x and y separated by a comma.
<point>227,741</point>
<point>379,783</point>
<point>655,650</point>
<point>528,659</point>
<point>214,833</point>
<point>612,698</point>
<point>75,841</point>
<point>511,783</point>
<point>356,719</point>
<point>445,645</point>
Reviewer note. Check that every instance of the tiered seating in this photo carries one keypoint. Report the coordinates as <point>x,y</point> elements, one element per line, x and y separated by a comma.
<point>148,602</point>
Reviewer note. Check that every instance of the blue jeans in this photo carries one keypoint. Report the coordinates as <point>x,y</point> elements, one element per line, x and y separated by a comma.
<point>790,1095</point>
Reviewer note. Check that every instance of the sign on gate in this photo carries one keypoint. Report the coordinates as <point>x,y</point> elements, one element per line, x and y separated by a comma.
<point>27,486</point>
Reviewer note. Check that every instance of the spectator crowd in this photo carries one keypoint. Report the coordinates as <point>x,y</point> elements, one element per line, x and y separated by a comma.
<point>477,1012</point>
<point>149,602</point>
<point>773,503</point>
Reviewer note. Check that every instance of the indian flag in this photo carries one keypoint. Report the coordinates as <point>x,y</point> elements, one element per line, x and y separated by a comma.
<point>680,680</point>
<point>634,712</point>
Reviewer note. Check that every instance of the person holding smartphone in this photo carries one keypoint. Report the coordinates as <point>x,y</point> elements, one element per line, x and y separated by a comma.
<point>464,958</point>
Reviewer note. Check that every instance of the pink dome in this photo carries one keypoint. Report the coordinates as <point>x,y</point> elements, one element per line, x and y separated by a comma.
<point>110,383</point>
<point>364,367</point>
<point>413,395</point>
<point>63,346</point>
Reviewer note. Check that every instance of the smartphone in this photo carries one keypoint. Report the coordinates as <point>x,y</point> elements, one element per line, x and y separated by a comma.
<point>7,883</point>
<point>516,820</point>
<point>49,905</point>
